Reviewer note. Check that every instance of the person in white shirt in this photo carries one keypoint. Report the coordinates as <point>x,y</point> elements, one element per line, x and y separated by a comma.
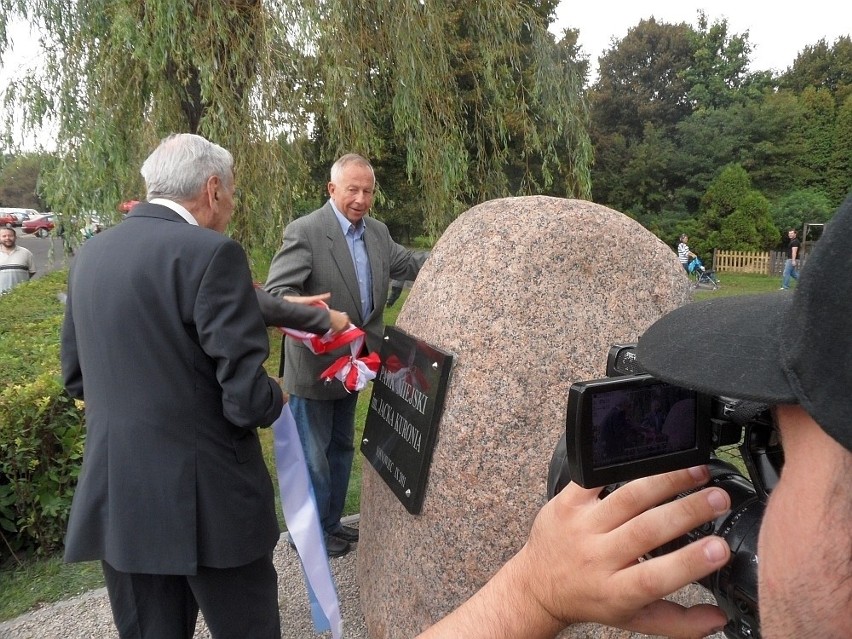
<point>16,262</point>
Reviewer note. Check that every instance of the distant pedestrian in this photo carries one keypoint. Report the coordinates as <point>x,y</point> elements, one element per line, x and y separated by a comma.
<point>791,264</point>
<point>683,252</point>
<point>655,418</point>
<point>16,262</point>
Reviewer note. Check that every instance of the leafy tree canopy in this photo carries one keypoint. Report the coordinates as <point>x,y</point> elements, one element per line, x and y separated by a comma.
<point>797,208</point>
<point>718,75</point>
<point>822,66</point>
<point>641,79</point>
<point>734,215</point>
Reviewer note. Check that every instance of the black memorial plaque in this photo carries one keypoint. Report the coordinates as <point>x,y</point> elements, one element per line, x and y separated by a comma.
<point>405,408</point>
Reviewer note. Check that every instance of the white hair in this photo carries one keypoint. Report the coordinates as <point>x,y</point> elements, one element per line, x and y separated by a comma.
<point>346,160</point>
<point>181,165</point>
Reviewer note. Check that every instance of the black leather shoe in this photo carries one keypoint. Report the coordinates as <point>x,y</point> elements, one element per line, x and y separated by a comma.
<point>336,547</point>
<point>346,533</point>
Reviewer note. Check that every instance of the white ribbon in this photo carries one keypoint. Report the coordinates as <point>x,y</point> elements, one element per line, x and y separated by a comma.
<point>303,523</point>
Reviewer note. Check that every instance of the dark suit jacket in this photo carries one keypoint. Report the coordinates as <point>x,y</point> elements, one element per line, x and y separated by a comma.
<point>278,312</point>
<point>314,259</point>
<point>164,340</point>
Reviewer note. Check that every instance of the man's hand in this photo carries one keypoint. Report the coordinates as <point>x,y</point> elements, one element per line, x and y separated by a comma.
<point>280,381</point>
<point>581,563</point>
<point>339,321</point>
<point>310,300</point>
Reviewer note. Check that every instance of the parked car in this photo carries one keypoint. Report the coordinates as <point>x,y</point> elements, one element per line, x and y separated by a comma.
<point>40,226</point>
<point>10,217</point>
<point>23,217</point>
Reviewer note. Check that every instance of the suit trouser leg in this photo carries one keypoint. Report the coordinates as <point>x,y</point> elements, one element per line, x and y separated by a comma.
<point>150,606</point>
<point>241,602</point>
<point>237,603</point>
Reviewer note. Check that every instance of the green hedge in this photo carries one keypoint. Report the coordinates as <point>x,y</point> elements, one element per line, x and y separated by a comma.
<point>41,427</point>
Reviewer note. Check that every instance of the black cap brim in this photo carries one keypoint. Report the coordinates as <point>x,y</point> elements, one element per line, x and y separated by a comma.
<point>729,346</point>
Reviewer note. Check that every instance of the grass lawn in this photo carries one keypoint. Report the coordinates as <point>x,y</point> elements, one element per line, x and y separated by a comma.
<point>24,587</point>
<point>741,284</point>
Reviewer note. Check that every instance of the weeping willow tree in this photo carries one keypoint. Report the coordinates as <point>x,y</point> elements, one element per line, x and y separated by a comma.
<point>459,101</point>
<point>455,102</point>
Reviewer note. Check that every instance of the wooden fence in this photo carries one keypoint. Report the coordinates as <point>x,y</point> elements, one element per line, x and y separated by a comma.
<point>766,262</point>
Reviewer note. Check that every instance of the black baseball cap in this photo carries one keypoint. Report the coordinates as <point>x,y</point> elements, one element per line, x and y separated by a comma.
<point>776,348</point>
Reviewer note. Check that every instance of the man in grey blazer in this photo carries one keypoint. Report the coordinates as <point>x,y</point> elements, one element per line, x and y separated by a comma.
<point>338,249</point>
<point>165,341</point>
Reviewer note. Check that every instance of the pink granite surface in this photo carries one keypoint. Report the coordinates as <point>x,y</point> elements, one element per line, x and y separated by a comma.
<point>528,293</point>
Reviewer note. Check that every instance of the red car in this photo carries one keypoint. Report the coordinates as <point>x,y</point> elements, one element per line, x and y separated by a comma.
<point>40,226</point>
<point>10,217</point>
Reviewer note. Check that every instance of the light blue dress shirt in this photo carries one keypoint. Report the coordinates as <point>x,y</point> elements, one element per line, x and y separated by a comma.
<point>354,235</point>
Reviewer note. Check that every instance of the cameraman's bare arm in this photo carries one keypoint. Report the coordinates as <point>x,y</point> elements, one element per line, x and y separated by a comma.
<point>580,564</point>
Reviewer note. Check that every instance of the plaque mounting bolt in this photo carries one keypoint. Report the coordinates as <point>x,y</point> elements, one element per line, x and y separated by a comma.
<point>435,365</point>
<point>408,493</point>
<point>387,339</point>
<point>365,441</point>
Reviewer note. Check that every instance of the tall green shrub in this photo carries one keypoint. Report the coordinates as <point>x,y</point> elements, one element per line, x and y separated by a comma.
<point>41,447</point>
<point>41,427</point>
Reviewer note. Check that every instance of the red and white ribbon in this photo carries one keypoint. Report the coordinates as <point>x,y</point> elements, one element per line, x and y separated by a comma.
<point>355,372</point>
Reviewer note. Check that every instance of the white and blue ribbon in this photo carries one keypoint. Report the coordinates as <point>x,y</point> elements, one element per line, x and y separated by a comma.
<point>303,523</point>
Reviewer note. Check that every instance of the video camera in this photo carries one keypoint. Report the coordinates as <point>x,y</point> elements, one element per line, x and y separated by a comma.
<point>631,425</point>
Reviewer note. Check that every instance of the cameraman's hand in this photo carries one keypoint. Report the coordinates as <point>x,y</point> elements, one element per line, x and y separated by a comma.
<point>581,564</point>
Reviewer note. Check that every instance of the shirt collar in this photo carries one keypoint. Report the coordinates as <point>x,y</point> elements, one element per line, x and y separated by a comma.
<point>344,223</point>
<point>177,208</point>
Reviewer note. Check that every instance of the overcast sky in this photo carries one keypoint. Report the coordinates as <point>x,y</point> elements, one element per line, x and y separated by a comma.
<point>777,31</point>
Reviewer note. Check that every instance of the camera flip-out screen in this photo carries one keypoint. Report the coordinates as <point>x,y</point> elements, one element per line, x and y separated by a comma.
<point>622,428</point>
